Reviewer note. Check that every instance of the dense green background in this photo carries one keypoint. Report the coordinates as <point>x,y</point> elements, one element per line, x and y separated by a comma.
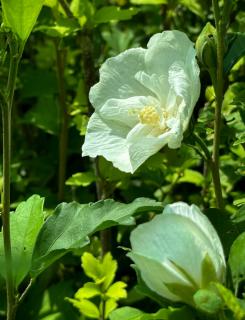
<point>84,42</point>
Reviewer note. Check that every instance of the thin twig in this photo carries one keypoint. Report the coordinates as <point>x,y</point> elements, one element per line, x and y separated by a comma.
<point>24,293</point>
<point>66,8</point>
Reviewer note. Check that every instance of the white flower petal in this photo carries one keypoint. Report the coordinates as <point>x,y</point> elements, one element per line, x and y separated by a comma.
<point>124,111</point>
<point>143,142</point>
<point>117,78</point>
<point>175,238</point>
<point>153,274</point>
<point>176,135</point>
<point>107,142</point>
<point>184,88</point>
<point>157,84</point>
<point>194,213</point>
<point>165,48</point>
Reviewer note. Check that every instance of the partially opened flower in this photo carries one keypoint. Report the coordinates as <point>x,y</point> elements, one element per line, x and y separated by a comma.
<point>143,101</point>
<point>178,253</point>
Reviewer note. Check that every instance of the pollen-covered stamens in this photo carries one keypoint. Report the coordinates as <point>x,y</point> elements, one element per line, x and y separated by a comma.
<point>149,115</point>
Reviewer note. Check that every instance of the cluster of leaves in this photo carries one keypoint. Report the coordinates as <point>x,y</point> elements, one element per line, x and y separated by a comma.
<point>103,274</point>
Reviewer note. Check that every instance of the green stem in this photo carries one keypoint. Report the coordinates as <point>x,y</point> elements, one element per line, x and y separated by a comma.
<point>6,106</point>
<point>219,88</point>
<point>66,8</point>
<point>221,315</point>
<point>102,315</point>
<point>6,127</point>
<point>89,75</point>
<point>64,120</point>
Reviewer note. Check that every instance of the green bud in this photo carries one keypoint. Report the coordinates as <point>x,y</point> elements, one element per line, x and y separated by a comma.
<point>207,301</point>
<point>206,48</point>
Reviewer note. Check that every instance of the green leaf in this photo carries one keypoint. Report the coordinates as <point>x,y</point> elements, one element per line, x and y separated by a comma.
<point>113,13</point>
<point>126,313</point>
<point>86,307</point>
<point>192,176</point>
<point>110,305</point>
<point>102,272</point>
<point>109,267</point>
<point>89,290</point>
<point>235,51</point>
<point>25,224</point>
<point>83,11</point>
<point>71,224</point>
<point>62,28</point>
<point>93,267</point>
<point>117,290</point>
<point>81,179</point>
<point>129,313</point>
<point>240,215</point>
<point>21,15</point>
<point>149,2</point>
<point>237,260</point>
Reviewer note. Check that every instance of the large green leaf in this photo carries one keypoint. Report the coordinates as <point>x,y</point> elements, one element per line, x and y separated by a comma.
<point>129,313</point>
<point>21,15</point>
<point>25,224</point>
<point>236,50</point>
<point>237,260</point>
<point>71,224</point>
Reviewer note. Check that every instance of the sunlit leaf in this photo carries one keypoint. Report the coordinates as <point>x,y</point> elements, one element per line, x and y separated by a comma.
<point>72,223</point>
<point>89,290</point>
<point>117,290</point>
<point>81,179</point>
<point>110,13</point>
<point>21,15</point>
<point>86,307</point>
<point>25,224</point>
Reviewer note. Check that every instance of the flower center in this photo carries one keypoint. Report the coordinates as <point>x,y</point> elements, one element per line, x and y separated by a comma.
<point>149,115</point>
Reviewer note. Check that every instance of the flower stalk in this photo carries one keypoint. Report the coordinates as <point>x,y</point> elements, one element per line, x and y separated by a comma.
<point>6,107</point>
<point>219,93</point>
<point>64,120</point>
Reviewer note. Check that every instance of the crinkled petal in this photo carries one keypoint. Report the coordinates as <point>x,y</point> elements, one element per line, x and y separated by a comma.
<point>165,48</point>
<point>172,53</point>
<point>193,213</point>
<point>176,136</point>
<point>125,111</point>
<point>103,140</point>
<point>175,238</point>
<point>117,78</point>
<point>143,142</point>
<point>157,84</point>
<point>186,89</point>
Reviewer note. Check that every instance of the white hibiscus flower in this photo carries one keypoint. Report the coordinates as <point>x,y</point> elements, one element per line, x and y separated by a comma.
<point>178,253</point>
<point>143,101</point>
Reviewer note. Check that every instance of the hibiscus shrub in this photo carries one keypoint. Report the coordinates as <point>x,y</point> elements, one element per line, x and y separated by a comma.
<point>133,208</point>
